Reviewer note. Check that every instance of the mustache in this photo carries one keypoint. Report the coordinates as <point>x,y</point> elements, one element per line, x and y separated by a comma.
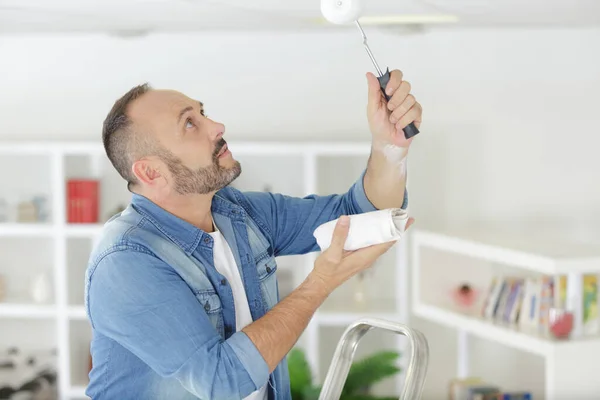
<point>218,147</point>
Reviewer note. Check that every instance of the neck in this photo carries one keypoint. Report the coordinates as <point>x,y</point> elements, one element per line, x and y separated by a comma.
<point>194,209</point>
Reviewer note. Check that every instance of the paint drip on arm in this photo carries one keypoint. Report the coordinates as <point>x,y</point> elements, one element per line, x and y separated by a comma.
<point>396,156</point>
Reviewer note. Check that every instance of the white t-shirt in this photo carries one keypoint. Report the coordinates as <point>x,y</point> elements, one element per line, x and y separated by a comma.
<point>226,265</point>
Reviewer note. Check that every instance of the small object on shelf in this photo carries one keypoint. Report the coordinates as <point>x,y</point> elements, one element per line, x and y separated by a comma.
<point>360,293</point>
<point>2,288</point>
<point>82,201</point>
<point>41,288</point>
<point>28,375</point>
<point>465,296</point>
<point>26,212</point>
<point>3,210</point>
<point>41,208</point>
<point>560,322</point>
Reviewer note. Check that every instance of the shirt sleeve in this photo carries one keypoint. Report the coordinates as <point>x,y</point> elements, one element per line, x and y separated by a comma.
<point>138,301</point>
<point>291,221</point>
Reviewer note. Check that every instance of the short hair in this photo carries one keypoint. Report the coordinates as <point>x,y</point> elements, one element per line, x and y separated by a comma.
<point>121,143</point>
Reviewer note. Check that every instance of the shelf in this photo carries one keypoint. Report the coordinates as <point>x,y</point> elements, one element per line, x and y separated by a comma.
<point>84,230</point>
<point>538,252</point>
<point>77,392</point>
<point>77,313</point>
<point>345,319</point>
<point>508,336</point>
<point>26,229</point>
<point>33,229</point>
<point>24,311</point>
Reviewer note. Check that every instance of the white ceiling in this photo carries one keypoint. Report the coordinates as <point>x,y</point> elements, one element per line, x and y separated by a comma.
<point>135,16</point>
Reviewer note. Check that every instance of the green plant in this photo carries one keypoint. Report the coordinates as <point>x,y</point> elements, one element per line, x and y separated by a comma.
<point>362,376</point>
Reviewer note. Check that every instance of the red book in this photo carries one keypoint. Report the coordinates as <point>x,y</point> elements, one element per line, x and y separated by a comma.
<point>82,201</point>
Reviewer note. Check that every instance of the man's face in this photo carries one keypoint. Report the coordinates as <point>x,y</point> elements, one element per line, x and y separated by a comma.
<point>190,144</point>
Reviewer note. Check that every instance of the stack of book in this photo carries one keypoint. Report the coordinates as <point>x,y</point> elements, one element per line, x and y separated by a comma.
<point>477,389</point>
<point>527,303</point>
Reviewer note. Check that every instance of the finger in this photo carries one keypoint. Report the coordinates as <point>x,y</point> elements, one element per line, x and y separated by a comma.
<point>368,255</point>
<point>413,115</point>
<point>375,96</point>
<point>403,108</point>
<point>410,221</point>
<point>399,95</point>
<point>394,82</point>
<point>340,233</point>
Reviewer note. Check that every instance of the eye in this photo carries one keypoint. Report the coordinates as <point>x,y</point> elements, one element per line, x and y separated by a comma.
<point>189,124</point>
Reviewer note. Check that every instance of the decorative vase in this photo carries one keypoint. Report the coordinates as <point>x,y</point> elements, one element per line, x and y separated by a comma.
<point>4,213</point>
<point>464,297</point>
<point>560,322</point>
<point>2,288</point>
<point>359,294</point>
<point>41,288</point>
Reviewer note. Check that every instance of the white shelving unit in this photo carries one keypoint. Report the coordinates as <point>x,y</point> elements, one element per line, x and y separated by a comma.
<point>292,168</point>
<point>486,251</point>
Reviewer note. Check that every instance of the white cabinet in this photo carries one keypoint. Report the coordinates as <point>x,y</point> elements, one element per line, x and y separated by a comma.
<point>295,169</point>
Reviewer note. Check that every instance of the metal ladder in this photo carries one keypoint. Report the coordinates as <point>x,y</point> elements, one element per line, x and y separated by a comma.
<point>344,354</point>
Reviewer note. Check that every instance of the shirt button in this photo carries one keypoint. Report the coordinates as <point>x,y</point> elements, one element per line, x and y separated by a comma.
<point>223,281</point>
<point>207,240</point>
<point>268,270</point>
<point>207,306</point>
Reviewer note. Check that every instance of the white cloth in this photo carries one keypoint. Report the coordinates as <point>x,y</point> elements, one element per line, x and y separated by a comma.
<point>366,229</point>
<point>226,266</point>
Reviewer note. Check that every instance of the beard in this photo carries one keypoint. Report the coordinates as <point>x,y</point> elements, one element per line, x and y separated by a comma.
<point>203,180</point>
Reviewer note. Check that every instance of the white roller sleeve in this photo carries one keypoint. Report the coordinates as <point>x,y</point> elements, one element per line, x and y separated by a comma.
<point>341,11</point>
<point>366,229</point>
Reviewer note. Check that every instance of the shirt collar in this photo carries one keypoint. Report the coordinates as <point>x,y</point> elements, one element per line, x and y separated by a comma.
<point>184,234</point>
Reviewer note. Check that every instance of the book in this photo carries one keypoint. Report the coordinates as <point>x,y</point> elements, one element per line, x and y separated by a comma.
<point>483,392</point>
<point>546,302</point>
<point>514,396</point>
<point>590,304</point>
<point>82,200</point>
<point>458,388</point>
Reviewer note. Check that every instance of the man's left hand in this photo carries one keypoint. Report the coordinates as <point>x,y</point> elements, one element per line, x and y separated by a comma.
<point>387,119</point>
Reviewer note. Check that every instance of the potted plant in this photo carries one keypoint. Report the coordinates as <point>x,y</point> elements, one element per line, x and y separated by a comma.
<point>362,376</point>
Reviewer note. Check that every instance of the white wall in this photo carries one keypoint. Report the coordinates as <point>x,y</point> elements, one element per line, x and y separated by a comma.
<point>510,132</point>
<point>510,116</point>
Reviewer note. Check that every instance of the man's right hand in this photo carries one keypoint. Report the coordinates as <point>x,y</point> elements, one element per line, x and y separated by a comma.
<point>335,265</point>
<point>278,330</point>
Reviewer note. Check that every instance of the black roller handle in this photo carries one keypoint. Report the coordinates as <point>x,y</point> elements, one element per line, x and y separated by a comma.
<point>410,130</point>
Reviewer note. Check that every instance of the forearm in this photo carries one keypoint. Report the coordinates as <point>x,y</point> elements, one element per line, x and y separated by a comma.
<point>278,330</point>
<point>385,178</point>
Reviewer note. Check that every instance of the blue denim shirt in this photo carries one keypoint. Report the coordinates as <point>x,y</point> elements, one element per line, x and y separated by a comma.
<point>163,318</point>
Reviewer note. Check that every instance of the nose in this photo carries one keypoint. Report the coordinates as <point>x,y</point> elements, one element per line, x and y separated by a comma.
<point>217,130</point>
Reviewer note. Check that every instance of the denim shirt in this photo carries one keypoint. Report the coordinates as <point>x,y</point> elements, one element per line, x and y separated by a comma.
<point>163,318</point>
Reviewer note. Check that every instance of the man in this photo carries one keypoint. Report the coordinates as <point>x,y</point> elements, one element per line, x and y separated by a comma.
<point>181,290</point>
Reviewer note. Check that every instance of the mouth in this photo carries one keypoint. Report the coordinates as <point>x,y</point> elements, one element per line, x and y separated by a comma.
<point>224,151</point>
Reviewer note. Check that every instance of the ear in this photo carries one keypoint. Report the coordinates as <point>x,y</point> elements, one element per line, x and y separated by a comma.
<point>148,172</point>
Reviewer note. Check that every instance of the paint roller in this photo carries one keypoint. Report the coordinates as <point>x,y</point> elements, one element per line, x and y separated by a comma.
<point>342,12</point>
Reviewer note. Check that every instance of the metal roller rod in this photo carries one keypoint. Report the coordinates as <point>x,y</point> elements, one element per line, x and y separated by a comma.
<point>369,52</point>
<point>344,354</point>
